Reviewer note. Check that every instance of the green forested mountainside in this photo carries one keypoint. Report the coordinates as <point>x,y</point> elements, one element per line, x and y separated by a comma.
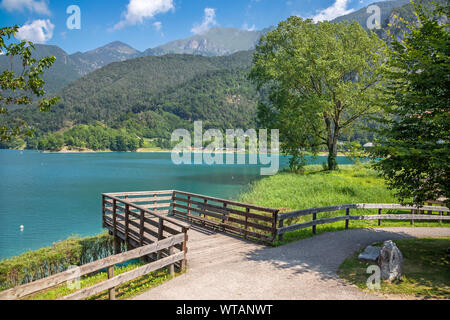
<point>222,99</point>
<point>133,85</point>
<point>152,96</point>
<point>95,137</point>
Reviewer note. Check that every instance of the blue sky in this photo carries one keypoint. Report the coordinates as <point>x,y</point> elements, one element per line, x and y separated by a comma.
<point>146,24</point>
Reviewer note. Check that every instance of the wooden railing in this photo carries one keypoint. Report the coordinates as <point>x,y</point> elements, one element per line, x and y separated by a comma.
<point>157,201</point>
<point>140,218</point>
<point>113,281</point>
<point>282,229</point>
<point>249,221</point>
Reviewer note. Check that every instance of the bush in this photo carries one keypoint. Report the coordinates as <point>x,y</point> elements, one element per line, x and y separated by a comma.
<point>34,265</point>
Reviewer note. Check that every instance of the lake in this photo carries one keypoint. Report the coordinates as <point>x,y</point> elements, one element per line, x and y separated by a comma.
<point>57,195</point>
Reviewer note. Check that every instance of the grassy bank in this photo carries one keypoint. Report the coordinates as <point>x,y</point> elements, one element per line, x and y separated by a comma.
<point>426,270</point>
<point>75,251</point>
<point>38,264</point>
<point>317,188</point>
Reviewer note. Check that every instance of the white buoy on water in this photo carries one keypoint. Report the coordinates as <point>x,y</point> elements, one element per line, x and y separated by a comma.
<point>22,227</point>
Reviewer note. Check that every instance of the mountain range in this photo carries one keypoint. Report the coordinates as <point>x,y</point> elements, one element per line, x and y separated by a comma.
<point>151,93</point>
<point>214,42</point>
<point>69,67</point>
<point>152,96</point>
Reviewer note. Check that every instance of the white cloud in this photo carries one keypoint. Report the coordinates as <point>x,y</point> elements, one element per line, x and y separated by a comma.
<point>38,31</point>
<point>339,8</point>
<point>21,5</point>
<point>139,10</point>
<point>248,28</point>
<point>208,21</point>
<point>158,25</point>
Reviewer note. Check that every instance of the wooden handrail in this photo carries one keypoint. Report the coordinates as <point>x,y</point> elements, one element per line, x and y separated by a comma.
<point>313,223</point>
<point>222,212</point>
<point>139,193</point>
<point>125,277</point>
<point>305,212</point>
<point>230,202</point>
<point>380,206</point>
<point>259,224</point>
<point>57,279</point>
<point>147,210</point>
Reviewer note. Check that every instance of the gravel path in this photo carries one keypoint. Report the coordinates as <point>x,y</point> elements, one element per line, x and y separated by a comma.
<point>221,267</point>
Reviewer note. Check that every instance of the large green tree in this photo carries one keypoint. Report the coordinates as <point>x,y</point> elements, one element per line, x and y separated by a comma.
<point>414,142</point>
<point>319,79</point>
<point>23,88</point>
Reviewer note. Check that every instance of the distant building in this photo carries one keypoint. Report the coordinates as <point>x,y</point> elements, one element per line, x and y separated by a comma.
<point>368,145</point>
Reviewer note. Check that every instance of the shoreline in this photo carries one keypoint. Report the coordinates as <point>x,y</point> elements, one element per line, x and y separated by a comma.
<point>151,150</point>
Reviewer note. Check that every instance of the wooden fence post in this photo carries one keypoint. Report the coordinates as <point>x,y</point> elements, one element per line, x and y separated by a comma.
<point>114,217</point>
<point>184,248</point>
<point>172,266</point>
<point>347,213</point>
<point>247,210</point>
<point>127,223</point>
<point>379,220</point>
<point>314,229</point>
<point>174,203</point>
<point>189,205</point>
<point>412,220</point>
<point>141,228</point>
<point>274,226</point>
<point>117,248</point>
<point>440,215</point>
<point>160,236</point>
<point>280,225</point>
<point>205,201</point>
<point>112,291</point>
<point>223,220</point>
<point>103,211</point>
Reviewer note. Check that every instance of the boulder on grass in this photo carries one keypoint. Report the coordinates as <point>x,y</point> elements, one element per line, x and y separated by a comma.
<point>390,261</point>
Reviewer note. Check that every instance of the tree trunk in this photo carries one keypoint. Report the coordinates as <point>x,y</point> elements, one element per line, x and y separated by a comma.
<point>332,156</point>
<point>332,140</point>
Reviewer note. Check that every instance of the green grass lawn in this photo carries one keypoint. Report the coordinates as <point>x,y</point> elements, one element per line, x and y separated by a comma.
<point>317,188</point>
<point>426,270</point>
<point>123,292</point>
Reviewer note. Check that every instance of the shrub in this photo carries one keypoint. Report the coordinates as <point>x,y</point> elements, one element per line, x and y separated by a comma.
<point>34,265</point>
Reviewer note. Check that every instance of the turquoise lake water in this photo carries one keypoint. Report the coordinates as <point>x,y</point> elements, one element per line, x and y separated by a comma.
<point>56,195</point>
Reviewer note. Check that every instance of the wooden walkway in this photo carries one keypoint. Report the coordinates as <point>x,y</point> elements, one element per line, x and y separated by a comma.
<point>221,267</point>
<point>160,227</point>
